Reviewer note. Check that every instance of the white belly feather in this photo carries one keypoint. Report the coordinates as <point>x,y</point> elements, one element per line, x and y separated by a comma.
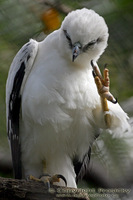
<point>63,124</point>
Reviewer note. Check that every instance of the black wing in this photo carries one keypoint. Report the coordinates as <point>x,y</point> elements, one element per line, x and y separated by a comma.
<point>13,121</point>
<point>18,74</point>
<point>81,167</point>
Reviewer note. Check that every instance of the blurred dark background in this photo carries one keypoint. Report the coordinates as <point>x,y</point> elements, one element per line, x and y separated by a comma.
<point>112,158</point>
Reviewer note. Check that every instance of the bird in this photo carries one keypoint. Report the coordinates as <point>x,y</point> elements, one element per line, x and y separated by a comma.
<point>53,105</point>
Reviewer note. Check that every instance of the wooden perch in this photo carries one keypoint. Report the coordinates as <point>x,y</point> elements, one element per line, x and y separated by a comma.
<point>32,190</point>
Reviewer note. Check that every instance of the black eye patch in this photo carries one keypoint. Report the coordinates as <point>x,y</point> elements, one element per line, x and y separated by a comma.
<point>90,44</point>
<point>68,38</point>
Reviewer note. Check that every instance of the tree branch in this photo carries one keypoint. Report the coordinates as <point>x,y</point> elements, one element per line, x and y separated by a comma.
<point>58,5</point>
<point>33,190</point>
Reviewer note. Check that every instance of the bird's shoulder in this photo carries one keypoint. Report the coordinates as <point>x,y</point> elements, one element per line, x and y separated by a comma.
<point>25,57</point>
<point>20,68</point>
<point>27,52</point>
<point>51,41</point>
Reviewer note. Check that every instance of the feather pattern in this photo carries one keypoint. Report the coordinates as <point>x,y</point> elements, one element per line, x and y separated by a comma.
<point>13,121</point>
<point>17,72</point>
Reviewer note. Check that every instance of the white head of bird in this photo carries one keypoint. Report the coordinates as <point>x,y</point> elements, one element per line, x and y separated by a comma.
<point>83,36</point>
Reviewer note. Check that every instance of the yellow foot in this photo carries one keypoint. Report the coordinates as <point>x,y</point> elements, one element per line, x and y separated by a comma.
<point>103,83</point>
<point>33,178</point>
<point>48,180</point>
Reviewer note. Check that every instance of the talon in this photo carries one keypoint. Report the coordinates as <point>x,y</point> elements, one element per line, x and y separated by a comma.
<point>57,177</point>
<point>93,73</point>
<point>114,101</point>
<point>30,177</point>
<point>47,179</point>
<point>105,66</point>
<point>92,64</point>
<point>109,97</point>
<point>96,70</point>
<point>102,84</point>
<point>63,178</point>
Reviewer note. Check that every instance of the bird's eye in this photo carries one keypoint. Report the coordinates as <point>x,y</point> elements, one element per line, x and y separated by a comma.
<point>68,38</point>
<point>100,39</point>
<point>90,44</point>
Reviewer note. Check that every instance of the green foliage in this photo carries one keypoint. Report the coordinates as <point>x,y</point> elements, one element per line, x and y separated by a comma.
<point>18,22</point>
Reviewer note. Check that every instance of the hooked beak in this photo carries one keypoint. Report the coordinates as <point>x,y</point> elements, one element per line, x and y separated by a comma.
<point>76,50</point>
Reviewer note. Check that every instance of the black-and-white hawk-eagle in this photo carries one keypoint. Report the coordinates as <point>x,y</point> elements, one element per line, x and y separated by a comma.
<point>54,109</point>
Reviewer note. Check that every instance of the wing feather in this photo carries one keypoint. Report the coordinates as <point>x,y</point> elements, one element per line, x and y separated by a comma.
<point>81,167</point>
<point>18,74</point>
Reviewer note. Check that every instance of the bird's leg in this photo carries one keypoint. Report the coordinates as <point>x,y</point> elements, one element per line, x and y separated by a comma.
<point>103,84</point>
<point>51,179</point>
<point>33,178</point>
<point>48,179</point>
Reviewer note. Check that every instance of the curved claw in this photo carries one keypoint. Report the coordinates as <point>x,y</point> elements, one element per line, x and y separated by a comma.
<point>114,101</point>
<point>48,179</point>
<point>105,66</point>
<point>103,83</point>
<point>62,177</point>
<point>93,73</point>
<point>92,64</point>
<point>109,97</point>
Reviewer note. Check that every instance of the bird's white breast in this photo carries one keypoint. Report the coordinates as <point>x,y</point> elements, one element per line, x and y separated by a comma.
<point>57,104</point>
